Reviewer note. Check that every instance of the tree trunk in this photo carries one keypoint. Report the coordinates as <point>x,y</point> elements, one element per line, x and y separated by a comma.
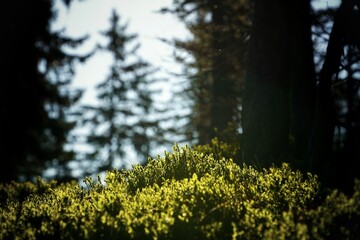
<point>280,59</point>
<point>322,140</point>
<point>302,77</point>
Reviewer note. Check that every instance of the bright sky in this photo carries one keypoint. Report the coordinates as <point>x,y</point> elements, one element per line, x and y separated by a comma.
<point>92,16</point>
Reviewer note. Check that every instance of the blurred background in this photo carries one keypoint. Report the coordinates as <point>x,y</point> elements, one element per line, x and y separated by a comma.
<point>93,85</point>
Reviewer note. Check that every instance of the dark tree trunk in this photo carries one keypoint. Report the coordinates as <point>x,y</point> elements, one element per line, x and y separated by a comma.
<point>21,106</point>
<point>302,77</point>
<point>266,106</point>
<point>280,82</point>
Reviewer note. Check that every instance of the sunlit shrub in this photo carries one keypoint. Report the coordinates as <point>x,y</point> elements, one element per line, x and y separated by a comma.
<point>220,149</point>
<point>183,195</point>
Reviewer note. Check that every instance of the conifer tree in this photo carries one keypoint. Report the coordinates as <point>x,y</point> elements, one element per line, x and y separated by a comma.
<point>34,93</point>
<point>122,120</point>
<point>214,64</point>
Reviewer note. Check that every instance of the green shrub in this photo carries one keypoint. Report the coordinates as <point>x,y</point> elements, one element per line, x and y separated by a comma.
<point>183,195</point>
<point>221,149</point>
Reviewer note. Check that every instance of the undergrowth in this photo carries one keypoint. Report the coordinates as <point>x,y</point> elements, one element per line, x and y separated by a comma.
<point>186,194</point>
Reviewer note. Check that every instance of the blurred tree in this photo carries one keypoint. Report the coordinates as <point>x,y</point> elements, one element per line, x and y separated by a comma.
<point>214,64</point>
<point>335,153</point>
<point>34,97</point>
<point>124,116</point>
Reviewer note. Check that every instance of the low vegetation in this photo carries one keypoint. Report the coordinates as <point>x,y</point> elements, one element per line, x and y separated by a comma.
<point>186,194</point>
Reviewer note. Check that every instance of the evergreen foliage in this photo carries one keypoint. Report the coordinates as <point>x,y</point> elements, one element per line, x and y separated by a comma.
<point>34,94</point>
<point>123,116</point>
<point>183,195</point>
<point>214,61</point>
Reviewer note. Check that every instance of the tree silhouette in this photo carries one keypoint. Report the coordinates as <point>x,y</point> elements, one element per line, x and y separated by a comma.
<point>33,95</point>
<point>337,165</point>
<point>123,116</point>
<point>280,84</point>
<point>214,64</point>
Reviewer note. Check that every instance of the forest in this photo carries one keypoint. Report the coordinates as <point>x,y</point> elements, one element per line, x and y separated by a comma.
<point>269,94</point>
